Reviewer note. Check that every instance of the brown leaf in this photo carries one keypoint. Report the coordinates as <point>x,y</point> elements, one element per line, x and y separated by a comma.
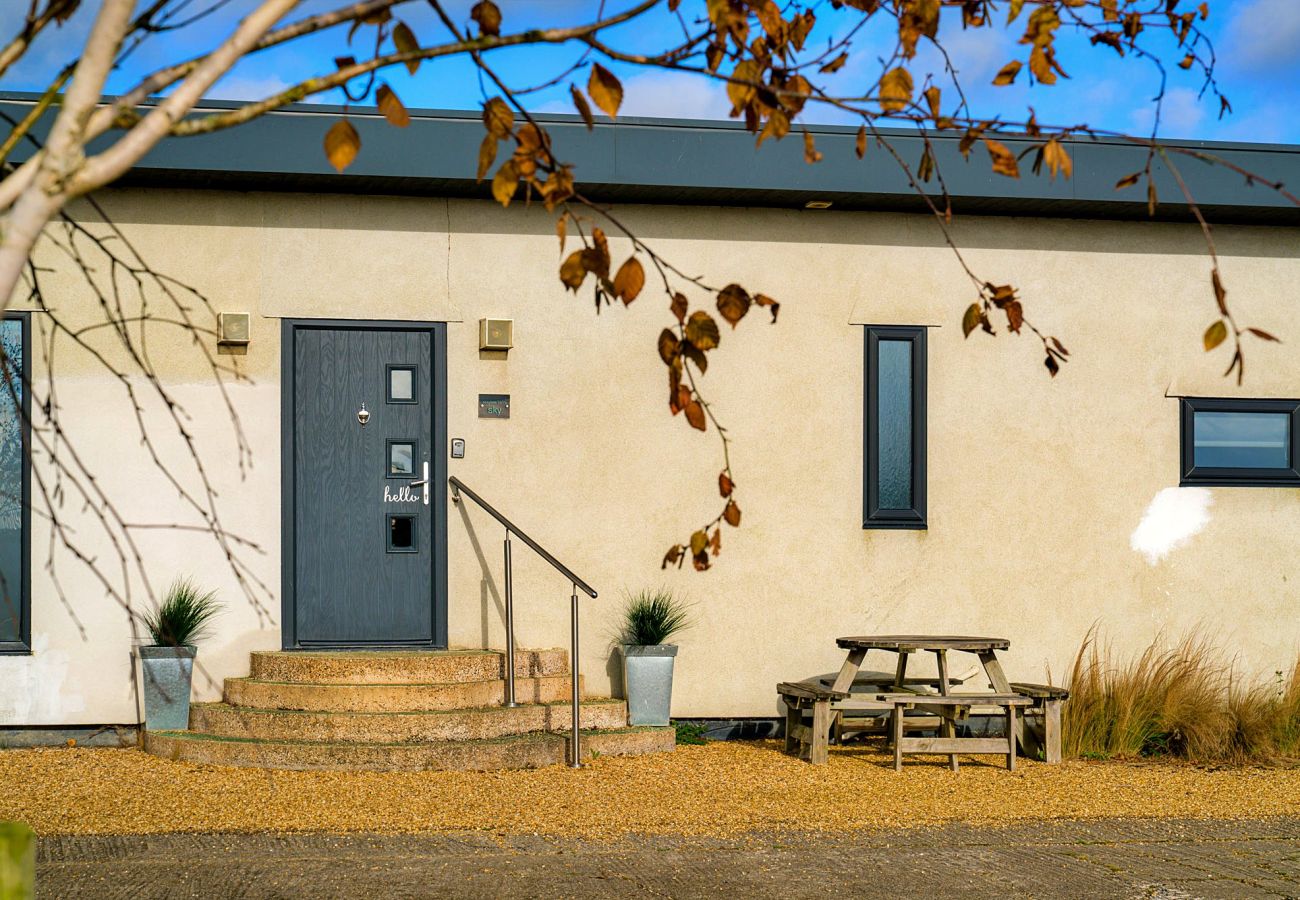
<point>1057,159</point>
<point>673,556</point>
<point>1215,335</point>
<point>1052,365</point>
<point>835,64</point>
<point>1015,315</point>
<point>561,228</point>
<point>506,182</point>
<point>731,515</point>
<point>932,99</point>
<point>1007,74</point>
<point>487,154</point>
<point>1152,198</point>
<point>860,146</point>
<point>405,42</point>
<point>925,168</point>
<point>488,17</point>
<point>668,344</point>
<point>629,280</point>
<point>970,320</point>
<point>764,300</point>
<point>733,303</point>
<point>572,272</point>
<point>700,561</point>
<point>810,152</point>
<point>1060,348</point>
<point>699,540</point>
<point>740,88</point>
<point>679,306</point>
<point>1186,61</point>
<point>342,144</point>
<point>895,90</point>
<point>497,118</point>
<point>715,542</point>
<point>1128,181</point>
<point>695,415</point>
<point>605,90</point>
<point>584,108</point>
<point>1220,292</point>
<point>1004,161</point>
<point>1263,335</point>
<point>702,330</point>
<point>392,107</point>
<point>725,486</point>
<point>695,355</point>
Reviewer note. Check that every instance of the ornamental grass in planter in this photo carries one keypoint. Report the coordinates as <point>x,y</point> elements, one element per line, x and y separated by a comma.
<point>167,664</point>
<point>650,619</point>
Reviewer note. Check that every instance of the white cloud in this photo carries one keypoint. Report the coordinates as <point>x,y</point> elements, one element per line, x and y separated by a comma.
<point>1175,516</point>
<point>677,95</point>
<point>1180,115</point>
<point>1262,35</point>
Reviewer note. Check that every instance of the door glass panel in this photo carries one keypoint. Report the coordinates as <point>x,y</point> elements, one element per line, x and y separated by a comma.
<point>11,480</point>
<point>894,428</point>
<point>1242,440</point>
<point>401,458</point>
<point>401,534</point>
<point>401,384</point>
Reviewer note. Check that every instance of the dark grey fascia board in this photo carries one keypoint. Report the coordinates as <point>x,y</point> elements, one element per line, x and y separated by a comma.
<point>705,162</point>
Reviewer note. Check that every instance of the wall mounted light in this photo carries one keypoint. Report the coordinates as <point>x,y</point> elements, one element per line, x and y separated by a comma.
<point>496,334</point>
<point>817,204</point>
<point>233,329</point>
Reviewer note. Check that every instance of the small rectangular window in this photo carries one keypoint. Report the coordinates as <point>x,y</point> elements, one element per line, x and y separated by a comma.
<point>1251,443</point>
<point>15,486</point>
<point>401,384</point>
<point>401,458</point>
<point>402,534</point>
<point>894,433</point>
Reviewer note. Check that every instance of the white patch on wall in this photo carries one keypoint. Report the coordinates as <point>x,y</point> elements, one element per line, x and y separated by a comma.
<point>32,688</point>
<point>1175,516</point>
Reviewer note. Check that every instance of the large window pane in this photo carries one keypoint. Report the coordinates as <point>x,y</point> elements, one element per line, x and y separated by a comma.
<point>894,433</point>
<point>11,481</point>
<point>1242,440</point>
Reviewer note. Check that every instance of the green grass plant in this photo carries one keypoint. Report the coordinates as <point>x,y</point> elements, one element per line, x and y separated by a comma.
<point>652,617</point>
<point>183,616</point>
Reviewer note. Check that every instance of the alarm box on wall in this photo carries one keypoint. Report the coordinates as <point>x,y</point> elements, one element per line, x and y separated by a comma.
<point>496,334</point>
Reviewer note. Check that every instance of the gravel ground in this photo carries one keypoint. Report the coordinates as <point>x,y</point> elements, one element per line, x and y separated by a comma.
<point>720,789</point>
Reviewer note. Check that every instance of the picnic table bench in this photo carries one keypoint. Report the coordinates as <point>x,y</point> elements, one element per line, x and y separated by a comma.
<point>854,700</point>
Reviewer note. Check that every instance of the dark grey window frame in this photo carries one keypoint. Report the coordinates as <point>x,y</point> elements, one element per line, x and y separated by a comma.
<point>872,515</point>
<point>1191,474</point>
<point>23,646</point>
<point>415,458</point>
<point>388,382</point>
<point>414,546</point>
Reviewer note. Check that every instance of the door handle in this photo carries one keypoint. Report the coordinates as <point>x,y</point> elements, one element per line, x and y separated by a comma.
<point>424,482</point>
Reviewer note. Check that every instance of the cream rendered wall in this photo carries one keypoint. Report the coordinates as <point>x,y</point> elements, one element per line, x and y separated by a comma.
<point>1035,485</point>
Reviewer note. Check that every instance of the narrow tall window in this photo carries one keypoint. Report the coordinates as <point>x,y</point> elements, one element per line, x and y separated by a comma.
<point>894,434</point>
<point>1250,443</point>
<point>15,596</point>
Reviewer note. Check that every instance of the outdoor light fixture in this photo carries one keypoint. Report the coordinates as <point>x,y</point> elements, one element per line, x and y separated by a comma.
<point>496,334</point>
<point>817,204</point>
<point>233,329</point>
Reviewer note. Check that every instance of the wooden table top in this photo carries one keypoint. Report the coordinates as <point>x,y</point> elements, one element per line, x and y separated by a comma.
<point>900,642</point>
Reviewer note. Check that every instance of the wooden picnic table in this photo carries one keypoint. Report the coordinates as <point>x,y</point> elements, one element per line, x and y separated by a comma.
<point>829,700</point>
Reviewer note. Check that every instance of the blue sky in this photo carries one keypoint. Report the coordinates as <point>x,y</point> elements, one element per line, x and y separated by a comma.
<point>1257,42</point>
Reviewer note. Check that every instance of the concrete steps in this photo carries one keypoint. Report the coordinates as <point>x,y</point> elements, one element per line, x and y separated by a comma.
<point>525,751</point>
<point>224,720</point>
<point>402,710</point>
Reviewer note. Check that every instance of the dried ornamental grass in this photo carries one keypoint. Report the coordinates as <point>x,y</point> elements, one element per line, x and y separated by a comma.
<point>723,788</point>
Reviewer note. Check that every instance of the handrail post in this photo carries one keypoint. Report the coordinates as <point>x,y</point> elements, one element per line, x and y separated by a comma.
<point>576,677</point>
<point>510,628</point>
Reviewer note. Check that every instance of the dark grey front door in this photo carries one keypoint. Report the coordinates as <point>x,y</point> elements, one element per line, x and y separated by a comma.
<point>365,451</point>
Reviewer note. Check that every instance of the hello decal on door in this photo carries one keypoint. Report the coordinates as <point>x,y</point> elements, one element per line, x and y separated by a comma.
<point>403,494</point>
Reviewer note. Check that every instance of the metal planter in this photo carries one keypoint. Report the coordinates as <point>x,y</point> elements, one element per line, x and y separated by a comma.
<point>167,673</point>
<point>648,681</point>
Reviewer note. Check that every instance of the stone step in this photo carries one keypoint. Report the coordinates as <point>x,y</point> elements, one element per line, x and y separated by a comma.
<point>526,751</point>
<point>401,666</point>
<point>223,720</point>
<point>393,698</point>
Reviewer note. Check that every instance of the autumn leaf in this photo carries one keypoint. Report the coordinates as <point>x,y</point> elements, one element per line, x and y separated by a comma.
<point>810,152</point>
<point>835,64</point>
<point>970,320</point>
<point>1004,161</point>
<point>506,182</point>
<point>739,92</point>
<point>1263,335</point>
<point>925,168</point>
<point>725,486</point>
<point>695,415</point>
<point>733,303</point>
<point>584,108</point>
<point>668,344</point>
<point>731,515</point>
<point>497,118</point>
<point>764,300</point>
<point>1052,365</point>
<point>699,540</point>
<point>673,556</point>
<point>860,146</point>
<point>342,144</point>
<point>629,280</point>
<point>1015,315</point>
<point>1007,74</point>
<point>1128,181</point>
<point>605,90</point>
<point>702,330</point>
<point>895,90</point>
<point>1220,292</point>
<point>715,542</point>
<point>1057,159</point>
<point>1215,334</point>
<point>487,154</point>
<point>562,229</point>
<point>392,107</point>
<point>932,95</point>
<point>679,306</point>
<point>488,17</point>
<point>405,42</point>
<point>572,272</point>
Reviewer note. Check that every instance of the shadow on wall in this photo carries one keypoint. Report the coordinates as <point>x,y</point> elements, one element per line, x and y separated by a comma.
<point>489,594</point>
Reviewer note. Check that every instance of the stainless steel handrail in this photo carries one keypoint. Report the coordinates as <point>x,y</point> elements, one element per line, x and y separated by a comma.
<point>457,488</point>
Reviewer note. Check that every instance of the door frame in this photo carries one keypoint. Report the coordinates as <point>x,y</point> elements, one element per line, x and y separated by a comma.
<point>437,464</point>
